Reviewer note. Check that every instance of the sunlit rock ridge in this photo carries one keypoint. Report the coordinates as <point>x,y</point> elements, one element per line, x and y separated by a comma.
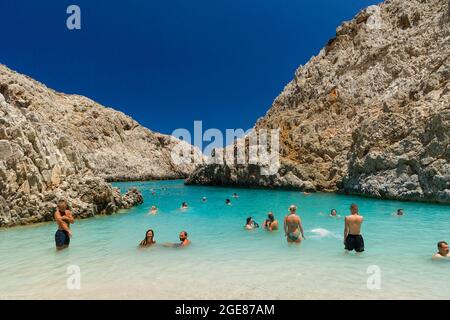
<point>369,115</point>
<point>55,145</point>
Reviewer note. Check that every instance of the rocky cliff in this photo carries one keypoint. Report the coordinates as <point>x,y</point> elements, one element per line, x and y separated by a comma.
<point>54,145</point>
<point>370,114</point>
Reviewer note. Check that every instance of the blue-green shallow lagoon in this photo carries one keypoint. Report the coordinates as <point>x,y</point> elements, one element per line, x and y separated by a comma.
<point>225,261</point>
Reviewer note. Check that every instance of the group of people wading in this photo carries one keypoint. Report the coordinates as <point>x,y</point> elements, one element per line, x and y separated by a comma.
<point>293,229</point>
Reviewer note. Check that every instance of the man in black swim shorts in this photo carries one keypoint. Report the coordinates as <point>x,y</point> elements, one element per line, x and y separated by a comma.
<point>354,242</point>
<point>63,218</point>
<point>353,239</point>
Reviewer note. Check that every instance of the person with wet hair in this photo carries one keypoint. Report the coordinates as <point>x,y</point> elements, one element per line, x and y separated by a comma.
<point>184,241</point>
<point>250,224</point>
<point>149,239</point>
<point>443,251</point>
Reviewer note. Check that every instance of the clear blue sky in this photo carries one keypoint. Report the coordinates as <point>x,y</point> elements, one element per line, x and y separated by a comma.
<point>168,63</point>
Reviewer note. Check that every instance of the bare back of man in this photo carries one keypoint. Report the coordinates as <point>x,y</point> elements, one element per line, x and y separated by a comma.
<point>354,223</point>
<point>353,239</point>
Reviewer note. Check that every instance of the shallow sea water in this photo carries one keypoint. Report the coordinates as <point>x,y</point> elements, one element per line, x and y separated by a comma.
<point>227,262</point>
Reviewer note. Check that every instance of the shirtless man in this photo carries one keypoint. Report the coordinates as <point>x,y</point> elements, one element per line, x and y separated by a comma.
<point>293,228</point>
<point>184,241</point>
<point>63,218</point>
<point>443,251</point>
<point>353,239</point>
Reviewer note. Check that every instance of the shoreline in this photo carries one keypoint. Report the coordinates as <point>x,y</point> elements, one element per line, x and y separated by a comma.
<point>339,192</point>
<point>144,179</point>
<point>239,187</point>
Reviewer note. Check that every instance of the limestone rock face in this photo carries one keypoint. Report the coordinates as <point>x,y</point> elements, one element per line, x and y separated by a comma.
<point>369,114</point>
<point>54,145</point>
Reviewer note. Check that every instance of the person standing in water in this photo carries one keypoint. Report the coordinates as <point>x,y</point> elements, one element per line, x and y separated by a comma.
<point>353,239</point>
<point>63,218</point>
<point>293,227</point>
<point>443,251</point>
<point>271,223</point>
<point>149,239</point>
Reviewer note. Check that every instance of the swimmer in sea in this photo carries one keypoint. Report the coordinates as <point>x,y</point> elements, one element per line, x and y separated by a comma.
<point>353,239</point>
<point>153,210</point>
<point>204,199</point>
<point>184,205</point>
<point>399,213</point>
<point>149,239</point>
<point>271,223</point>
<point>228,202</point>
<point>250,224</point>
<point>184,241</point>
<point>333,213</point>
<point>235,195</point>
<point>293,227</point>
<point>443,251</point>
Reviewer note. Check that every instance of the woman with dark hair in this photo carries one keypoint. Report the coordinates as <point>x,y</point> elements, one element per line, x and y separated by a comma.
<point>149,239</point>
<point>251,224</point>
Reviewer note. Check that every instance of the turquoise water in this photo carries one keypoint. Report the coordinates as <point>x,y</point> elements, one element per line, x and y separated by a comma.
<point>225,261</point>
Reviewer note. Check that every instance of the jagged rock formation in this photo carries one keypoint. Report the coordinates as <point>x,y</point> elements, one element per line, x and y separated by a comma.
<point>54,145</point>
<point>370,114</point>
